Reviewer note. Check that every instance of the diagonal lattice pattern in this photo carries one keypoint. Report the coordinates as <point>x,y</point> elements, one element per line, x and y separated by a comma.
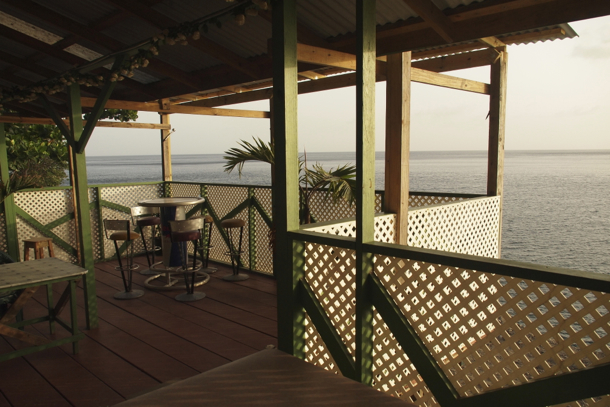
<point>330,272</point>
<point>324,209</point>
<point>419,200</point>
<point>488,331</point>
<point>4,240</point>
<point>393,372</point>
<point>316,351</point>
<point>467,227</point>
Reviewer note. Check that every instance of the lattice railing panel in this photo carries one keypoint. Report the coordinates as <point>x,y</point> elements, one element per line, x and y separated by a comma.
<point>316,351</point>
<point>488,331</point>
<point>468,227</point>
<point>96,227</point>
<point>3,236</point>
<point>224,199</point>
<point>45,207</point>
<point>594,401</point>
<point>393,372</point>
<point>324,209</point>
<point>330,272</point>
<point>130,195</point>
<point>264,254</point>
<point>385,226</point>
<point>264,197</point>
<point>419,200</point>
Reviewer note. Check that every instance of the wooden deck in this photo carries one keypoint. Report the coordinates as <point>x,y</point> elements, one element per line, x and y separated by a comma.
<point>141,344</point>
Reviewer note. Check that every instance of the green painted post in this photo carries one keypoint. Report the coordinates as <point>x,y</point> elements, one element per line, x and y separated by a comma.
<point>252,228</point>
<point>81,193</point>
<point>10,216</point>
<point>286,194</point>
<point>365,180</point>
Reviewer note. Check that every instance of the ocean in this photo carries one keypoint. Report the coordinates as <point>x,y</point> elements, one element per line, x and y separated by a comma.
<point>556,203</point>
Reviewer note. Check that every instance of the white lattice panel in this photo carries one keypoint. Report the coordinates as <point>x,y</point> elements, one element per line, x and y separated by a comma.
<point>385,225</point>
<point>419,200</point>
<point>330,272</point>
<point>393,372</point>
<point>487,331</point>
<point>467,227</point>
<point>316,351</point>
<point>130,195</point>
<point>264,254</point>
<point>324,209</point>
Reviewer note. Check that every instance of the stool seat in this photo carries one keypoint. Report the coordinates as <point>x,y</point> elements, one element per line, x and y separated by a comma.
<point>122,235</point>
<point>181,232</point>
<point>149,221</point>
<point>186,236</point>
<point>38,244</point>
<point>232,223</point>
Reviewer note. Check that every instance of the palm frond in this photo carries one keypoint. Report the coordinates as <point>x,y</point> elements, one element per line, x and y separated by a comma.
<point>339,183</point>
<point>258,151</point>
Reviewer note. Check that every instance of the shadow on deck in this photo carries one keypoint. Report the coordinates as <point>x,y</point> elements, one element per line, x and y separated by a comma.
<point>143,343</point>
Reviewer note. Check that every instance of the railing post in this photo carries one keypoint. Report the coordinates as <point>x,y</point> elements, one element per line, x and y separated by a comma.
<point>10,216</point>
<point>365,181</point>
<point>287,268</point>
<point>100,220</point>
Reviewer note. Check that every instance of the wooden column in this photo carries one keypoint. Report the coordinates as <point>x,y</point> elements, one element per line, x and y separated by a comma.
<point>497,118</point>
<point>8,207</point>
<point>166,145</point>
<point>288,262</point>
<point>397,140</point>
<point>365,181</point>
<point>80,190</point>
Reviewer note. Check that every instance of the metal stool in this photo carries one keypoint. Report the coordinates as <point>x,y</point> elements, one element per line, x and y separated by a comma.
<point>182,232</point>
<point>235,251</point>
<point>206,244</point>
<point>144,217</point>
<point>121,230</point>
<point>38,244</point>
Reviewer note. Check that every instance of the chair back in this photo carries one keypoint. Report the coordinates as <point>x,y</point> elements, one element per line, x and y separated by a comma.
<point>188,225</point>
<point>140,211</point>
<point>116,225</point>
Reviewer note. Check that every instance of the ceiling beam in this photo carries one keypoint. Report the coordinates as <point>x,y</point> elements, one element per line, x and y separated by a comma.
<point>434,16</point>
<point>100,123</point>
<point>197,110</point>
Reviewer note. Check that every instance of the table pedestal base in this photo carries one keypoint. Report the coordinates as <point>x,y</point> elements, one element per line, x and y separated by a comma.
<point>169,278</point>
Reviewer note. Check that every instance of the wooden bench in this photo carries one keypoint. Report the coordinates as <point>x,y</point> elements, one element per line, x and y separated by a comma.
<point>270,378</point>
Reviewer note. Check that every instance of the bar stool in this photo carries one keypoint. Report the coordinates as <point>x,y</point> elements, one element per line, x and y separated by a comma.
<point>121,231</point>
<point>38,244</point>
<point>144,217</point>
<point>235,251</point>
<point>182,232</point>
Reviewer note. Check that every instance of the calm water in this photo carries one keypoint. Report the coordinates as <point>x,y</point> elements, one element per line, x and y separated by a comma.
<point>556,209</point>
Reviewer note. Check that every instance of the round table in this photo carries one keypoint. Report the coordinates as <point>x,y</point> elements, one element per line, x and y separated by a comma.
<point>170,209</point>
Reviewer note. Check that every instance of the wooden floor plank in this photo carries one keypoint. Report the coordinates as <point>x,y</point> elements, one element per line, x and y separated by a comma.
<point>141,344</point>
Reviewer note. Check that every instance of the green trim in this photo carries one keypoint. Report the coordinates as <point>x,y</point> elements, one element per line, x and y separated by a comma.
<point>237,210</point>
<point>266,217</point>
<point>213,184</point>
<point>116,207</point>
<point>60,221</point>
<point>343,242</point>
<point>61,125</point>
<point>328,333</point>
<point>8,206</point>
<point>126,184</point>
<point>411,343</point>
<point>45,230</point>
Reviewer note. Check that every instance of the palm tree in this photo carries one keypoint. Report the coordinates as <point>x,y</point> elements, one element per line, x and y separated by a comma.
<point>338,183</point>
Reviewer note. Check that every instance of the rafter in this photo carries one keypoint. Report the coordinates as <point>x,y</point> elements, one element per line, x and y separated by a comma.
<point>434,16</point>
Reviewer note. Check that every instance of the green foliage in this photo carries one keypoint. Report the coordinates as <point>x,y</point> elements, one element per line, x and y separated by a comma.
<point>38,153</point>
<point>339,183</point>
<point>122,115</point>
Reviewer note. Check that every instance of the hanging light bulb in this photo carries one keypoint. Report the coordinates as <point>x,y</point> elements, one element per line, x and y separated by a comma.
<point>240,19</point>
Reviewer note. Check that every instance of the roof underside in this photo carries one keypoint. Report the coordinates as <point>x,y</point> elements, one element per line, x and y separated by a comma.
<point>41,39</point>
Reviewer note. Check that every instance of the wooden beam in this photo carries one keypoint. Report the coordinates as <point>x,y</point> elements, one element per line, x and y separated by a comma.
<point>397,141</point>
<point>435,17</point>
<point>153,107</point>
<point>166,143</point>
<point>446,81</point>
<point>459,61</point>
<point>121,125</point>
<point>325,57</point>
<point>492,42</point>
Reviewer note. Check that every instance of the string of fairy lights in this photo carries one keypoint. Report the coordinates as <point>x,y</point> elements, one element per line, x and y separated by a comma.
<point>179,34</point>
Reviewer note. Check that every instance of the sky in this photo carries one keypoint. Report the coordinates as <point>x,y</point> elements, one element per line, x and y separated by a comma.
<point>558,99</point>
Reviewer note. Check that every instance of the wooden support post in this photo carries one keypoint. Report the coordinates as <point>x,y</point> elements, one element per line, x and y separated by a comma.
<point>81,192</point>
<point>497,117</point>
<point>166,145</point>
<point>365,181</point>
<point>8,206</point>
<point>397,139</point>
<point>288,263</point>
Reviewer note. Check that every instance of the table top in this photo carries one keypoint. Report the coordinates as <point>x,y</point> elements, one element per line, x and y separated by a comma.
<point>177,201</point>
<point>267,378</point>
<point>36,272</point>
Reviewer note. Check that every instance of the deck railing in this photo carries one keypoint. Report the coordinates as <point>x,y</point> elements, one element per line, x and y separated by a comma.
<point>50,212</point>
